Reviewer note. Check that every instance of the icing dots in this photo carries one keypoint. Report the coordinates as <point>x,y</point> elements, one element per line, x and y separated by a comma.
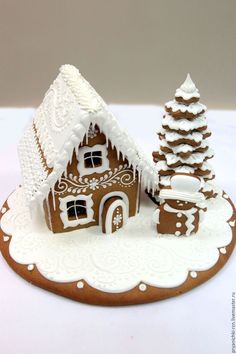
<point>86,95</point>
<point>61,122</point>
<point>80,284</point>
<point>223,250</point>
<point>193,274</point>
<point>103,265</point>
<point>3,210</point>
<point>232,223</point>
<point>6,238</point>
<point>142,287</point>
<point>30,267</point>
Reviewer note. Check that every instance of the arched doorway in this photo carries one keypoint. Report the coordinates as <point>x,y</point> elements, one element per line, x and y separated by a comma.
<point>113,211</point>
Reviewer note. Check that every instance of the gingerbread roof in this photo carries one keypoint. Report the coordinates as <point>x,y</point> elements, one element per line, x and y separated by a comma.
<point>60,124</point>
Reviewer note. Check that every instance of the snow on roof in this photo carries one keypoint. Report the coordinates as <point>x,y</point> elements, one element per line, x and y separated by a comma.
<point>60,124</point>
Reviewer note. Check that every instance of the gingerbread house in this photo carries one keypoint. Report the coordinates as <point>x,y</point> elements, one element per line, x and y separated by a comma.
<point>79,167</point>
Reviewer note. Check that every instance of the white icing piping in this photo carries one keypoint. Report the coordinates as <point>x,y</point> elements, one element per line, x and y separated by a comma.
<point>109,220</point>
<point>91,109</point>
<point>189,216</point>
<point>189,222</point>
<point>29,155</point>
<point>199,252</point>
<point>87,97</point>
<point>120,139</point>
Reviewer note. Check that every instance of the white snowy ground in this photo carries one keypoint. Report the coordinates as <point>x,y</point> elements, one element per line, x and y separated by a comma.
<point>35,321</point>
<point>118,262</point>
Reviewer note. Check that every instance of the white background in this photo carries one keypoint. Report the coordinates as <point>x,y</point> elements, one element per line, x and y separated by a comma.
<point>34,321</point>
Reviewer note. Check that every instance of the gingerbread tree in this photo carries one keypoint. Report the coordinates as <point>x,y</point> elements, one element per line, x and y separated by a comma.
<point>184,139</point>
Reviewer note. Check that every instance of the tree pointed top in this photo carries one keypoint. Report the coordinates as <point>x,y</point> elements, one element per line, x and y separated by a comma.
<point>188,86</point>
<point>187,90</point>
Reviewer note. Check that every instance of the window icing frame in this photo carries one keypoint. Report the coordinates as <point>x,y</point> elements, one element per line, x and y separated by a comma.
<point>83,171</point>
<point>80,221</point>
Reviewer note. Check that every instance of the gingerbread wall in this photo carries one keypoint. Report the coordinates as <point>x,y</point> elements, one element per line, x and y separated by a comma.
<point>119,178</point>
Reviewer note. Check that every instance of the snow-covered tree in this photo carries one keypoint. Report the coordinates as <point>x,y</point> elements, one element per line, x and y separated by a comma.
<point>183,139</point>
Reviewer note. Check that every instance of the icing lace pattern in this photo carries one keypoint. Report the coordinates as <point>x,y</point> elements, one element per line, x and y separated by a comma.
<point>121,261</point>
<point>75,185</point>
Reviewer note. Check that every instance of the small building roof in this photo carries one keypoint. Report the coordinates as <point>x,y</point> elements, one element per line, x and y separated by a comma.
<point>60,124</point>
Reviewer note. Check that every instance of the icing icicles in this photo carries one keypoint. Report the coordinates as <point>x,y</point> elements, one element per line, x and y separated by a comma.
<point>70,112</point>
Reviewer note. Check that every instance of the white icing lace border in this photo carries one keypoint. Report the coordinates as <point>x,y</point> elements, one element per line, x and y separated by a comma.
<point>133,255</point>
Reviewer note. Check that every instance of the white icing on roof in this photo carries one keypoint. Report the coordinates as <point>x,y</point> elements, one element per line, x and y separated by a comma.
<point>187,90</point>
<point>85,94</point>
<point>69,107</point>
<point>33,169</point>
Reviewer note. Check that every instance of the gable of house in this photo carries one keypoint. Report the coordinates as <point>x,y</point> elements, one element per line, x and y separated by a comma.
<point>95,173</point>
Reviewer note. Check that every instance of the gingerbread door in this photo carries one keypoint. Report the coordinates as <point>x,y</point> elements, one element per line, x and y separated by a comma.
<point>114,215</point>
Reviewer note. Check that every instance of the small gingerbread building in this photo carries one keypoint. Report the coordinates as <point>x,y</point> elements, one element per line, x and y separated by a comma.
<point>79,167</point>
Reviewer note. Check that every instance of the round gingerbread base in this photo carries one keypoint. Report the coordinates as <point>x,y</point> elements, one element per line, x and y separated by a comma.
<point>90,290</point>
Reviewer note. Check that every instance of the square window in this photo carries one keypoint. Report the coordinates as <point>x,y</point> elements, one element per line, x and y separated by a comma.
<point>76,209</point>
<point>93,159</point>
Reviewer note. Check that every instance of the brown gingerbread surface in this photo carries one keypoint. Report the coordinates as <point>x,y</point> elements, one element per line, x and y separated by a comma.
<point>138,295</point>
